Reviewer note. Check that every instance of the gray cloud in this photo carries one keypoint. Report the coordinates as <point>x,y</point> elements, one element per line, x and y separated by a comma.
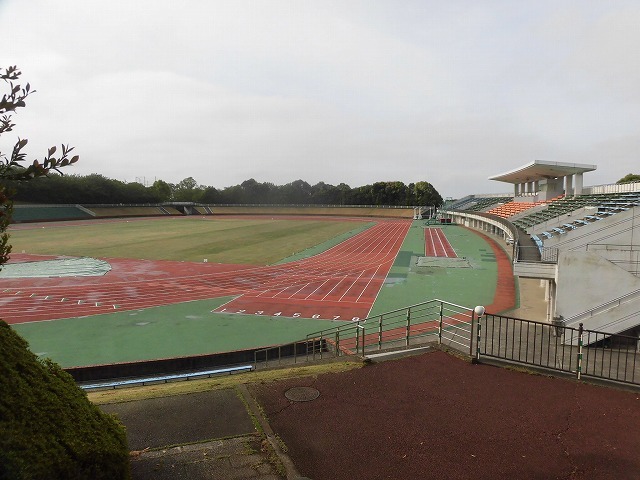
<point>355,92</point>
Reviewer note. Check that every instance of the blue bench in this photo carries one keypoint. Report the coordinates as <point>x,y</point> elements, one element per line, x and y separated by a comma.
<point>168,378</point>
<point>538,242</point>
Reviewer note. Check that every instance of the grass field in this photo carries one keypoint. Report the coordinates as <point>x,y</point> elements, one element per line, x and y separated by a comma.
<point>226,240</point>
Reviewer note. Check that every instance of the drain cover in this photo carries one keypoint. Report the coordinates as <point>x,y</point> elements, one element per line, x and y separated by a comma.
<point>302,394</point>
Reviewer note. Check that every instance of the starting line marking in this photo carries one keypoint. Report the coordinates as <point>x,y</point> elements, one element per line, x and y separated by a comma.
<point>262,313</point>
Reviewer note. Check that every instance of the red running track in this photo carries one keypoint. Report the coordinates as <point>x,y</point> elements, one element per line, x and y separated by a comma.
<point>341,283</point>
<point>436,244</point>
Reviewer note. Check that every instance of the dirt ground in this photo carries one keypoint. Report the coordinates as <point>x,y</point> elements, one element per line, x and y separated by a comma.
<point>439,417</point>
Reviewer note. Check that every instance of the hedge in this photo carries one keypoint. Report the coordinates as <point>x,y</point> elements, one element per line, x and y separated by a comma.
<point>48,427</point>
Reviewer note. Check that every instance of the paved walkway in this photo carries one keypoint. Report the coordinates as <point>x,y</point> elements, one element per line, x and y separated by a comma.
<point>432,415</point>
<point>205,435</point>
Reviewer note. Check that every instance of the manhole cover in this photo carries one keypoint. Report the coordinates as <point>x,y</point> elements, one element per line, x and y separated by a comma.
<point>302,394</point>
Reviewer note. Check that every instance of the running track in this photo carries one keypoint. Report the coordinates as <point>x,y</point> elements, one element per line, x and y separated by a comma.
<point>436,244</point>
<point>341,283</point>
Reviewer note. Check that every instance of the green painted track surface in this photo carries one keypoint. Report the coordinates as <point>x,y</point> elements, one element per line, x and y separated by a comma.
<point>191,328</point>
<point>177,330</point>
<point>408,284</point>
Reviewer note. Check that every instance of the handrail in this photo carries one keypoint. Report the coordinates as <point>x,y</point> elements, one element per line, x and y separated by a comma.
<point>546,254</point>
<point>575,238</point>
<point>603,307</point>
<point>347,326</point>
<point>399,328</point>
<point>166,378</point>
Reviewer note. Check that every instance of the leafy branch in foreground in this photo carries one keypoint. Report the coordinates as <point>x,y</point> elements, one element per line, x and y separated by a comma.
<point>14,166</point>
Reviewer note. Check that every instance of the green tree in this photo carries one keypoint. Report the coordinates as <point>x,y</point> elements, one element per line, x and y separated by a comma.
<point>48,427</point>
<point>629,177</point>
<point>211,195</point>
<point>297,192</point>
<point>426,195</point>
<point>162,190</point>
<point>188,191</point>
<point>255,192</point>
<point>13,166</point>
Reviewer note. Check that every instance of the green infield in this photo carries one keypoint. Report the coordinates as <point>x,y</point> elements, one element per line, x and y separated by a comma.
<point>220,240</point>
<point>409,283</point>
<point>177,330</point>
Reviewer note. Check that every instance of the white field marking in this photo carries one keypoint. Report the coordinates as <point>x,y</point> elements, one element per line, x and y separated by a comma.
<point>442,249</point>
<point>352,284</point>
<point>397,240</point>
<point>226,303</point>
<point>375,241</point>
<point>433,244</point>
<point>294,293</point>
<point>446,247</point>
<point>450,246</point>
<point>334,287</point>
<point>318,288</point>
<point>368,283</point>
<point>273,295</point>
<point>288,283</point>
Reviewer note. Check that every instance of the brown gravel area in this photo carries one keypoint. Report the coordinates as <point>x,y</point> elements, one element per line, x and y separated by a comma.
<point>438,417</point>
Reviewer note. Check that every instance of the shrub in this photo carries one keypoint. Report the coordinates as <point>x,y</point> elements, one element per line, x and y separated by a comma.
<point>48,427</point>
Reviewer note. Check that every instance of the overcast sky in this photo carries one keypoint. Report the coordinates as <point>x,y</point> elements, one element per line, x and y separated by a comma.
<point>450,92</point>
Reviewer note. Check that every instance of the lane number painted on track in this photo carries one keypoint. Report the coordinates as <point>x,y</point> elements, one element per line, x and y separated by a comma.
<point>315,316</point>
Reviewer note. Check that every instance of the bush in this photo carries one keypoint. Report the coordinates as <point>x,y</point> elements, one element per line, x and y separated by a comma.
<point>48,427</point>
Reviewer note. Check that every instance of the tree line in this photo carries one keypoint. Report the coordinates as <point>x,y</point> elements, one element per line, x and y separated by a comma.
<point>97,189</point>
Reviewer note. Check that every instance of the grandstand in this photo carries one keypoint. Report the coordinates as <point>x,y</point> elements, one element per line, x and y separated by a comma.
<point>582,242</point>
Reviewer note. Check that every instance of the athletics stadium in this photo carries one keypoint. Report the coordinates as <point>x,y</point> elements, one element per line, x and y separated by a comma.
<point>91,286</point>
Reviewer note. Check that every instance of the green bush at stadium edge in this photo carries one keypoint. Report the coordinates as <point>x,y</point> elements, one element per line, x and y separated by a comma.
<point>48,427</point>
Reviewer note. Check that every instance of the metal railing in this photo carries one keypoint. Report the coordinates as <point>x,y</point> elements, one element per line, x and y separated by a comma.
<point>530,254</point>
<point>575,351</point>
<point>604,307</point>
<point>434,320</point>
<point>580,352</point>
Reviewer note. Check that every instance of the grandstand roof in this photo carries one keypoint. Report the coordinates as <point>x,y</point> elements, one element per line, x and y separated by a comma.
<point>541,170</point>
